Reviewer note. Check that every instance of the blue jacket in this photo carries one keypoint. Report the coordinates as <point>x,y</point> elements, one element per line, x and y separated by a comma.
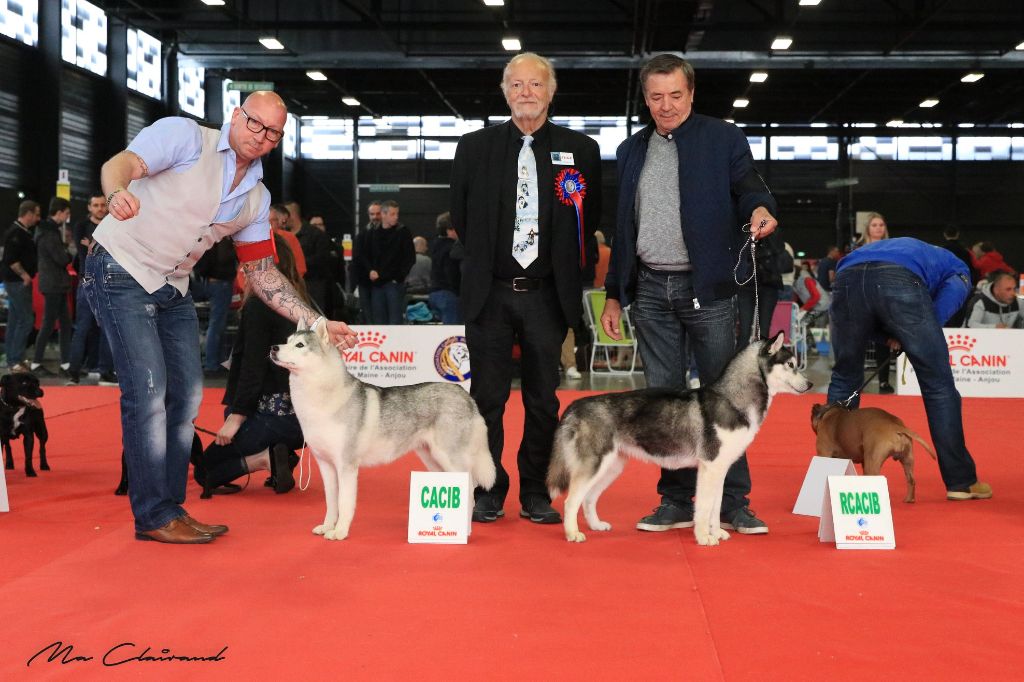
<point>718,190</point>
<point>947,278</point>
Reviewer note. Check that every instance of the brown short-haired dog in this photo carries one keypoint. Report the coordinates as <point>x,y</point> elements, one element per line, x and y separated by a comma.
<point>868,436</point>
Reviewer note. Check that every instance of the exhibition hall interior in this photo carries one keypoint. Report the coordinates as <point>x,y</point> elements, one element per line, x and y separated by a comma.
<point>492,259</point>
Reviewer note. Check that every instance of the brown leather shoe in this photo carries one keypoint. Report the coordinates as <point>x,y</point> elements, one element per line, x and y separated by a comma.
<point>204,528</point>
<point>177,532</point>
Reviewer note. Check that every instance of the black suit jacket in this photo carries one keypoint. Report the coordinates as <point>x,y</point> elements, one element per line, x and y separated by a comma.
<point>475,190</point>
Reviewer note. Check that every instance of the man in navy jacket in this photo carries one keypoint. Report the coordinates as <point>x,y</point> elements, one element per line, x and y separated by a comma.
<point>687,183</point>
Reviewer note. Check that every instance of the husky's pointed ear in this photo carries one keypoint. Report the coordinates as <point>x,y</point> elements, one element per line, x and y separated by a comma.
<point>322,334</point>
<point>302,326</point>
<point>776,343</point>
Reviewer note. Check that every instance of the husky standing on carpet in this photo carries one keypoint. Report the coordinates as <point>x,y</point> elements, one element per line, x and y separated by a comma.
<point>709,429</point>
<point>349,424</point>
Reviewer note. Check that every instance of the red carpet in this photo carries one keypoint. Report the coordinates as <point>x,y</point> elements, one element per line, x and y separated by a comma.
<point>518,602</point>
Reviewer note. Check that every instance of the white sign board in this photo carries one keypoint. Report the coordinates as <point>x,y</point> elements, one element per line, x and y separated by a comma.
<point>856,514</point>
<point>808,502</point>
<point>4,505</point>
<point>440,507</point>
<point>986,363</point>
<point>399,355</point>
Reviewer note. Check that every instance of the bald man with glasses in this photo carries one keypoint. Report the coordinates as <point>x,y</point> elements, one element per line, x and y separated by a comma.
<point>178,189</point>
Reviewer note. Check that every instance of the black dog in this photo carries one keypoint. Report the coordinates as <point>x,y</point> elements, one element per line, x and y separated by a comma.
<point>21,416</point>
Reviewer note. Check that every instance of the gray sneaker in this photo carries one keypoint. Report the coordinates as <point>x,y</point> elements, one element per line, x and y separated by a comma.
<point>667,516</point>
<point>744,522</point>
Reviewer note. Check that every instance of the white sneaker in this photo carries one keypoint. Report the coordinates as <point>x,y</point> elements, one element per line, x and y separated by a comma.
<point>573,373</point>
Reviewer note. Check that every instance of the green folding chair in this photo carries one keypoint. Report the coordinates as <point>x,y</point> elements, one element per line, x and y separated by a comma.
<point>593,305</point>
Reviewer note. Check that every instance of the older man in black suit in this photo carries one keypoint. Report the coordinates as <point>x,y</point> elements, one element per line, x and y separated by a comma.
<point>525,194</point>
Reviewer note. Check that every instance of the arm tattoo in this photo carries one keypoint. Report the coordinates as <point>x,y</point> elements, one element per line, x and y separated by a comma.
<point>142,164</point>
<point>276,291</point>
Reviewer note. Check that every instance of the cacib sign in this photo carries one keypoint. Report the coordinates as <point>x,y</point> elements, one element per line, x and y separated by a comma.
<point>440,507</point>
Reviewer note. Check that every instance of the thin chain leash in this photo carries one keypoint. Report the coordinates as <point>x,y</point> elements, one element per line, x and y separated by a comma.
<point>751,243</point>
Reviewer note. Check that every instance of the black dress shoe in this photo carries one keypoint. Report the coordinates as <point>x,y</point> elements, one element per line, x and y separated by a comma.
<point>539,510</point>
<point>283,479</point>
<point>487,509</point>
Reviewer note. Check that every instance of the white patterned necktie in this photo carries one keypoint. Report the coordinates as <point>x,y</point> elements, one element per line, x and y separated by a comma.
<point>524,239</point>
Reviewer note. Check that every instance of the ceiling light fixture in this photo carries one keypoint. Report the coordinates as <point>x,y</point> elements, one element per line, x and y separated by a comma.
<point>972,78</point>
<point>214,3</point>
<point>1019,47</point>
<point>316,75</point>
<point>964,125</point>
<point>351,101</point>
<point>928,103</point>
<point>758,77</point>
<point>782,43</point>
<point>810,3</point>
<point>271,43</point>
<point>895,123</point>
<point>740,103</point>
<point>494,3</point>
<point>511,44</point>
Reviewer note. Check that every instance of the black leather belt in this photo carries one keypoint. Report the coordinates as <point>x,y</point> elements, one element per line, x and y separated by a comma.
<point>521,284</point>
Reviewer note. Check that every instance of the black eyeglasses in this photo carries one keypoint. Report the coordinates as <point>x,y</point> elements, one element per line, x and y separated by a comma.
<point>257,127</point>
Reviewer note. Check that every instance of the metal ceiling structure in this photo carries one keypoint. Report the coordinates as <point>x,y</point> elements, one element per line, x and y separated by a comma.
<point>851,60</point>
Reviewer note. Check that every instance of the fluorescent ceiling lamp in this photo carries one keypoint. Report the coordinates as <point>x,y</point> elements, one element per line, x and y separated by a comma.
<point>316,75</point>
<point>351,101</point>
<point>214,3</point>
<point>758,77</point>
<point>494,3</point>
<point>511,44</point>
<point>972,78</point>
<point>729,120</point>
<point>740,103</point>
<point>271,43</point>
<point>782,43</point>
<point>895,123</point>
<point>1019,47</point>
<point>928,103</point>
<point>964,125</point>
<point>819,125</point>
<point>810,3</point>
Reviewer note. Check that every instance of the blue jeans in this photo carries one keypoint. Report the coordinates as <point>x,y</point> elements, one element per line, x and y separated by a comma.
<point>154,339</point>
<point>219,292</point>
<point>445,305</point>
<point>260,431</point>
<point>387,303</point>
<point>88,335</point>
<point>665,317</point>
<point>20,320</point>
<point>884,299</point>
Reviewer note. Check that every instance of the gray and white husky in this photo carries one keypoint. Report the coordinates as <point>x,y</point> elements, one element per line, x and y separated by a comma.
<point>709,429</point>
<point>350,424</point>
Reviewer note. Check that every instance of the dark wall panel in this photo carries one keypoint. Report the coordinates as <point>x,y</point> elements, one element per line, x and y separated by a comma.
<point>11,76</point>
<point>77,124</point>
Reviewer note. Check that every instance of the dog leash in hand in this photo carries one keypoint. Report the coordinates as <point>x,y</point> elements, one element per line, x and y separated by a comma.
<point>755,329</point>
<point>846,403</point>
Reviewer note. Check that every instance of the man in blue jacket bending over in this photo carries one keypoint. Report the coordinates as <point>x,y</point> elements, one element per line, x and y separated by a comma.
<point>902,291</point>
<point>686,185</point>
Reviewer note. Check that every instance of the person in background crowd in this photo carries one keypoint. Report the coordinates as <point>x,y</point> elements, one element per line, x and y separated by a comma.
<point>769,261</point>
<point>827,267</point>
<point>218,267</point>
<point>137,283</point>
<point>18,269</point>
<point>278,218</point>
<point>515,211</point>
<point>316,250</point>
<point>686,184</point>
<point>789,276</point>
<point>445,272</point>
<point>260,429</point>
<point>317,221</point>
<point>54,283</point>
<point>418,280</point>
<point>89,347</point>
<point>987,260</point>
<point>335,269</point>
<point>903,290</point>
<point>359,277</point>
<point>995,306</point>
<point>604,254</point>
<point>388,257</point>
<point>951,242</point>
<point>877,230</point>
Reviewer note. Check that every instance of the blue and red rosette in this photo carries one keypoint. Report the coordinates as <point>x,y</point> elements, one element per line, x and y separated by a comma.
<point>570,188</point>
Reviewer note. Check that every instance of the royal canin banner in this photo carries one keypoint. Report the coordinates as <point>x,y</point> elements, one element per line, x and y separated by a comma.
<point>986,363</point>
<point>399,355</point>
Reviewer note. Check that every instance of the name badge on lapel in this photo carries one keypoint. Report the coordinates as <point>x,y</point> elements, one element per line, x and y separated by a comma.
<point>562,158</point>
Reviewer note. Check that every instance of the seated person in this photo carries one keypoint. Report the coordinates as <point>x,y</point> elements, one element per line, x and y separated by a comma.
<point>260,428</point>
<point>995,305</point>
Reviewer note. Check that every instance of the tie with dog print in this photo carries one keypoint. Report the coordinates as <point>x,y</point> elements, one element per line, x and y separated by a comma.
<point>524,239</point>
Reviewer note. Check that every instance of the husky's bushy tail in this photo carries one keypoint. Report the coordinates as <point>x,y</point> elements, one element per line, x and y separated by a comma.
<point>558,470</point>
<point>481,464</point>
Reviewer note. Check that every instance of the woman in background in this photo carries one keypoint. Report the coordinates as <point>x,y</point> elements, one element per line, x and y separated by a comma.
<point>877,230</point>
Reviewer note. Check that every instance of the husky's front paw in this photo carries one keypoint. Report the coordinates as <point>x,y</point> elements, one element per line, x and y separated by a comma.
<point>336,534</point>
<point>600,525</point>
<point>320,530</point>
<point>575,536</point>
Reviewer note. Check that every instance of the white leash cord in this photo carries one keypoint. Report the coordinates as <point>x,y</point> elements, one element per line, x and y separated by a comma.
<point>755,327</point>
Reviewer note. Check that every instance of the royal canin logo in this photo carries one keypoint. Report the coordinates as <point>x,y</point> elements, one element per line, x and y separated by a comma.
<point>370,339</point>
<point>961,342</point>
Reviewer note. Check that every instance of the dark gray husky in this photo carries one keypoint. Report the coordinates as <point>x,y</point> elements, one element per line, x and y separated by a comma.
<point>709,429</point>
